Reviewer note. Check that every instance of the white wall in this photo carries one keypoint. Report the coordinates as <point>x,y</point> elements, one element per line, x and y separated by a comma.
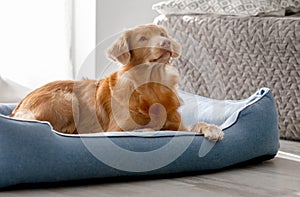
<point>34,41</point>
<point>83,38</point>
<point>113,16</point>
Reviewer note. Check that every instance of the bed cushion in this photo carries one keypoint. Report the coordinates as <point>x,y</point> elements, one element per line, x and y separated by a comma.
<point>31,152</point>
<point>11,91</point>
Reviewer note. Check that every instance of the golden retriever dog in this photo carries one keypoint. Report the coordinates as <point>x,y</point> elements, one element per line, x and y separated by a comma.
<point>140,96</point>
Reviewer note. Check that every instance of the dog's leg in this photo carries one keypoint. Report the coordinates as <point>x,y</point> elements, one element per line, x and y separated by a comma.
<point>174,122</point>
<point>70,129</point>
<point>24,115</point>
<point>146,130</point>
<point>211,132</point>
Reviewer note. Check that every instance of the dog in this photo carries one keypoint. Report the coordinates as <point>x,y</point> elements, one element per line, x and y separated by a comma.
<point>140,96</point>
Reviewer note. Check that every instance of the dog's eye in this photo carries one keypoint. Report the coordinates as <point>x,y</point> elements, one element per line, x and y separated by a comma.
<point>162,34</point>
<point>143,38</point>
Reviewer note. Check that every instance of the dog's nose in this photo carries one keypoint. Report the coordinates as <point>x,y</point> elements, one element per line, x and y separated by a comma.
<point>165,44</point>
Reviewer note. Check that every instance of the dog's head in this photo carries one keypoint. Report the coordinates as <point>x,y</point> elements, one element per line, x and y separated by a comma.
<point>143,44</point>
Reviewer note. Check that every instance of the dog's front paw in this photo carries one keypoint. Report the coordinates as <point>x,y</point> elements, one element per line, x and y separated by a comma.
<point>146,130</point>
<point>211,132</point>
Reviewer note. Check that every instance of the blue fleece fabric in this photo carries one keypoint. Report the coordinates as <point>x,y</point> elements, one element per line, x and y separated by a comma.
<point>31,152</point>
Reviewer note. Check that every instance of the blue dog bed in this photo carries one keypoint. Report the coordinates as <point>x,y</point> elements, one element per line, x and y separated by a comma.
<point>31,152</point>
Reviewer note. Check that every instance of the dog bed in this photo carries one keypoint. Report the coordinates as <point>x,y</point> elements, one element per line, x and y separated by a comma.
<point>32,152</point>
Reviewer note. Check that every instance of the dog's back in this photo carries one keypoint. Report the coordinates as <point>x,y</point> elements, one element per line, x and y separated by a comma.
<point>63,104</point>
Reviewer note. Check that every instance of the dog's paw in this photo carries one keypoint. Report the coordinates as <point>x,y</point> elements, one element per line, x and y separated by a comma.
<point>211,132</point>
<point>146,130</point>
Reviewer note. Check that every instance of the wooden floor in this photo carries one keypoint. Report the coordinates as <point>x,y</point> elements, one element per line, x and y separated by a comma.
<point>277,177</point>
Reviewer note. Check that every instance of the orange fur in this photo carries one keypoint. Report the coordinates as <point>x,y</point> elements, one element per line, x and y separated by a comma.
<point>142,95</point>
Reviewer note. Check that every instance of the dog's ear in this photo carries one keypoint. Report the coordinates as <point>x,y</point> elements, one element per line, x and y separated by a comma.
<point>120,51</point>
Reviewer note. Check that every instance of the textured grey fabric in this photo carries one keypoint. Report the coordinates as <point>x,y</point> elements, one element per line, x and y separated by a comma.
<point>228,57</point>
<point>228,7</point>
